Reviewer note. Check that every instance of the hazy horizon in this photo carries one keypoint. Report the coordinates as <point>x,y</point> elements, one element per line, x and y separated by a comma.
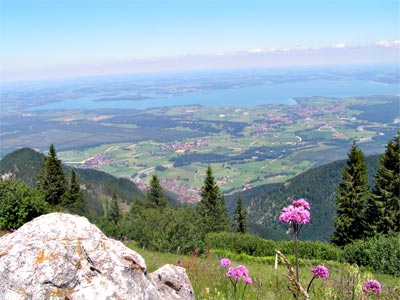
<point>45,39</point>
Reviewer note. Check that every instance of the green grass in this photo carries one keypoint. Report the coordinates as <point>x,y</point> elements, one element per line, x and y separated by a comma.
<point>210,283</point>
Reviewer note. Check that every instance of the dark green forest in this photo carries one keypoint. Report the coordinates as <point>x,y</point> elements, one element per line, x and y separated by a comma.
<point>318,186</point>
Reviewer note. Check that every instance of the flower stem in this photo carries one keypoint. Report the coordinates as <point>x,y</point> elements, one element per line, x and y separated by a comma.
<point>244,291</point>
<point>296,249</point>
<point>309,285</point>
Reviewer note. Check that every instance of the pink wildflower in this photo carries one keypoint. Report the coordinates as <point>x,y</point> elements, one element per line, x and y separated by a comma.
<point>320,271</point>
<point>248,280</point>
<point>180,263</point>
<point>243,270</point>
<point>372,286</point>
<point>237,272</point>
<point>225,262</point>
<point>301,202</point>
<point>296,214</point>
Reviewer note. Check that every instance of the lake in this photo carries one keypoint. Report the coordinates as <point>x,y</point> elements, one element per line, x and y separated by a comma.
<point>276,93</point>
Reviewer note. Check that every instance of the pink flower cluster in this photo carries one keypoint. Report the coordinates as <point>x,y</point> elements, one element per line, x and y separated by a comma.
<point>225,262</point>
<point>320,271</point>
<point>238,273</point>
<point>373,287</point>
<point>298,212</point>
<point>301,202</point>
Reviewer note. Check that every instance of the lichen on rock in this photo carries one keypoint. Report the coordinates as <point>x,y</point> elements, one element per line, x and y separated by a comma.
<point>62,256</point>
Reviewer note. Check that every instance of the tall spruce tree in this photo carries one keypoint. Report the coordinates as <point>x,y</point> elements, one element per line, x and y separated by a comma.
<point>352,195</point>
<point>75,200</point>
<point>52,181</point>
<point>212,207</point>
<point>155,195</point>
<point>114,210</point>
<point>384,205</point>
<point>240,217</point>
<point>74,186</point>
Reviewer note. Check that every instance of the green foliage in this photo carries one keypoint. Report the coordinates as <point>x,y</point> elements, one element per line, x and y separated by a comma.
<point>168,230</point>
<point>208,278</point>
<point>254,246</point>
<point>25,164</point>
<point>74,200</point>
<point>240,217</point>
<point>19,204</point>
<point>212,205</point>
<point>155,195</point>
<point>380,253</point>
<point>52,181</point>
<point>109,228</point>
<point>384,206</point>
<point>114,211</point>
<point>264,203</point>
<point>351,199</point>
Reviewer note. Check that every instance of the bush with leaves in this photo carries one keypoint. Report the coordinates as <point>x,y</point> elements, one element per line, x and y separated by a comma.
<point>19,203</point>
<point>165,230</point>
<point>258,247</point>
<point>381,253</point>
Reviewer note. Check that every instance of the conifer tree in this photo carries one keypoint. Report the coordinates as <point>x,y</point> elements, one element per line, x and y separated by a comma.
<point>74,186</point>
<point>75,199</point>
<point>52,181</point>
<point>352,194</point>
<point>155,195</point>
<point>212,207</point>
<point>384,205</point>
<point>114,211</point>
<point>240,217</point>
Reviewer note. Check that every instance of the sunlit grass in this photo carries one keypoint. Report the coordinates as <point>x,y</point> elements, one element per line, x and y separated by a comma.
<point>210,283</point>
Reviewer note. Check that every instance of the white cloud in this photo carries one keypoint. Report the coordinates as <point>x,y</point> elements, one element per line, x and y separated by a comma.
<point>383,43</point>
<point>388,43</point>
<point>340,46</point>
<point>257,51</point>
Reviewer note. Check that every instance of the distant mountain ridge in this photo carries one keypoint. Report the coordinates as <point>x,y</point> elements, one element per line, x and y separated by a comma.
<point>25,165</point>
<point>318,186</point>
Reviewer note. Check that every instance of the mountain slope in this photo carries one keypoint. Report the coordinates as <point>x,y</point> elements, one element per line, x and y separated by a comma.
<point>317,185</point>
<point>264,203</point>
<point>25,165</point>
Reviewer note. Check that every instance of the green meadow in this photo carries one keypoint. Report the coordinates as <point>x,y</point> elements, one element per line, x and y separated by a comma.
<point>210,282</point>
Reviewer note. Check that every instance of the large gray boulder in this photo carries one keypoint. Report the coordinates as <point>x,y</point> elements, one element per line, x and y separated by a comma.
<point>61,256</point>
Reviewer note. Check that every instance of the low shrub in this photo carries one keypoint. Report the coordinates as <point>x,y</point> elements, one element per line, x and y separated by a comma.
<point>258,247</point>
<point>380,253</point>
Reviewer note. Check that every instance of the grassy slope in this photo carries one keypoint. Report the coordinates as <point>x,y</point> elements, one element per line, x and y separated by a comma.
<point>209,282</point>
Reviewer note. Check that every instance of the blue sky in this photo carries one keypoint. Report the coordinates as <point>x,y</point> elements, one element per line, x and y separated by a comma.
<point>76,36</point>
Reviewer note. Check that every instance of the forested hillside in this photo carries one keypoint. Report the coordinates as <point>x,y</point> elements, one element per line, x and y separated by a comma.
<point>318,186</point>
<point>25,165</point>
<point>264,203</point>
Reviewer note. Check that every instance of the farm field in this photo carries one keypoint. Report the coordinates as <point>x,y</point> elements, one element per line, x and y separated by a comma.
<point>252,128</point>
<point>245,146</point>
